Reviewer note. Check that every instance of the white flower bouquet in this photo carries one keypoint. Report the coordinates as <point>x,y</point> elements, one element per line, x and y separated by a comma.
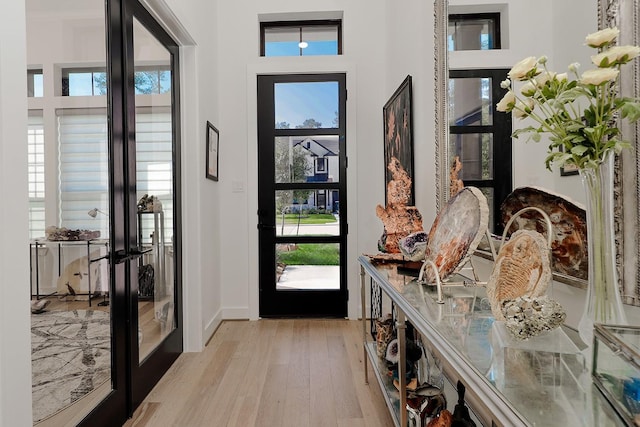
<point>577,111</point>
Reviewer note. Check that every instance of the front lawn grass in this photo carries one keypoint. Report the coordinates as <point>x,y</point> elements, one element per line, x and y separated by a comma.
<point>311,254</point>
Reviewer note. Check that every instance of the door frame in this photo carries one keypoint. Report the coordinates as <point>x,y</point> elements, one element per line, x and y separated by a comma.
<point>297,303</point>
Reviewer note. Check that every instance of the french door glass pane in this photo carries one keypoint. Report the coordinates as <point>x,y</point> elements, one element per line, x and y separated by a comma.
<point>306,105</point>
<point>68,193</point>
<point>307,266</point>
<point>470,101</point>
<point>307,158</point>
<point>155,190</point>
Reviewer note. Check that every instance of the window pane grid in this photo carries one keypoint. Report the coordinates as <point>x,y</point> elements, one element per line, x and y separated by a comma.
<point>477,137</point>
<point>35,165</point>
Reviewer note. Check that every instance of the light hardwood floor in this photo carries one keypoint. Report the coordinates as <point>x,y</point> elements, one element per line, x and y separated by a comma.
<point>272,373</point>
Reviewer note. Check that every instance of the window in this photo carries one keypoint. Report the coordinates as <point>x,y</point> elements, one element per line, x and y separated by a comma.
<point>152,80</point>
<point>301,38</point>
<point>475,31</point>
<point>83,167</point>
<point>35,144</point>
<point>84,82</point>
<point>93,81</point>
<point>34,84</point>
<point>480,139</point>
<point>154,157</point>
<point>83,163</point>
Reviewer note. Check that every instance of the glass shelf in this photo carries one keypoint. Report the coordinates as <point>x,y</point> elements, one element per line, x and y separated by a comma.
<point>389,392</point>
<point>542,381</point>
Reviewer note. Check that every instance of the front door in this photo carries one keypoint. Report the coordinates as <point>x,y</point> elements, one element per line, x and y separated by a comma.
<point>302,207</point>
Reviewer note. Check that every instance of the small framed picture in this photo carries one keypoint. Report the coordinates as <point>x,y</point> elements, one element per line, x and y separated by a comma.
<point>213,139</point>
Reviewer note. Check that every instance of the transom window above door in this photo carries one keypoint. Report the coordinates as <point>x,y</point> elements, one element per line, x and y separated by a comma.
<point>301,38</point>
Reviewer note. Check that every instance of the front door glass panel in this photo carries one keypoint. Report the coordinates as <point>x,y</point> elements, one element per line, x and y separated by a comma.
<point>313,158</point>
<point>306,105</point>
<point>308,212</point>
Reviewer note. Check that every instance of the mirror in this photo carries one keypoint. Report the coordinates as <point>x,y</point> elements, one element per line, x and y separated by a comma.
<point>528,158</point>
<point>624,14</point>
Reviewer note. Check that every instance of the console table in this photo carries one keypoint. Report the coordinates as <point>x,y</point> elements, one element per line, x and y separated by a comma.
<point>38,244</point>
<point>507,383</point>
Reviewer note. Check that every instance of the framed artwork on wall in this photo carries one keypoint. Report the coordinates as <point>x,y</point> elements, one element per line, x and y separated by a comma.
<point>398,133</point>
<point>213,139</point>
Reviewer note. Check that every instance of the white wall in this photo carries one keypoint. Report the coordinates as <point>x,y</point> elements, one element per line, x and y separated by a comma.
<point>409,50</point>
<point>15,345</point>
<point>190,23</point>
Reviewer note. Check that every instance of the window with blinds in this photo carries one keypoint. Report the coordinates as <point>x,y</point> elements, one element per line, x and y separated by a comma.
<point>83,165</point>
<point>83,168</point>
<point>35,143</point>
<point>154,162</point>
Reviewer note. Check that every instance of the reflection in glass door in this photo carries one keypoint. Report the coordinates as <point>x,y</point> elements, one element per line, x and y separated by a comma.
<point>69,211</point>
<point>154,189</point>
<point>302,185</point>
<point>154,237</point>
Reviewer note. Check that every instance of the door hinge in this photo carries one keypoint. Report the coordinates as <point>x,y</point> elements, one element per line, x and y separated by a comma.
<point>347,294</point>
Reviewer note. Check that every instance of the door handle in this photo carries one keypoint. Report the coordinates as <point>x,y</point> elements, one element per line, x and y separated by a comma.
<point>262,226</point>
<point>122,255</point>
<point>137,252</point>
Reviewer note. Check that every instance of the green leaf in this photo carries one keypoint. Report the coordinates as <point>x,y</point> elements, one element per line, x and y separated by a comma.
<point>630,111</point>
<point>528,129</point>
<point>579,150</point>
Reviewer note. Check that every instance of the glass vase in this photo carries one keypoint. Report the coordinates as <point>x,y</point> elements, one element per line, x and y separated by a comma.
<point>603,303</point>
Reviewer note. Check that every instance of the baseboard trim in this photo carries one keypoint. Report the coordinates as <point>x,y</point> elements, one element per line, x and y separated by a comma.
<point>212,327</point>
<point>237,313</point>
